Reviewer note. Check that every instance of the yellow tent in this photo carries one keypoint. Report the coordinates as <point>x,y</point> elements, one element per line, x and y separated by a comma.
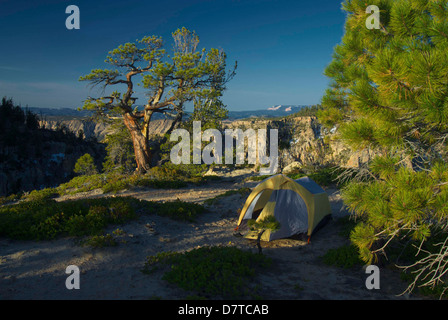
<point>298,205</point>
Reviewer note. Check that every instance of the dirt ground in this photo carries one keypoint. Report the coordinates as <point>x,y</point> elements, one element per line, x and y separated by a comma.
<point>36,270</point>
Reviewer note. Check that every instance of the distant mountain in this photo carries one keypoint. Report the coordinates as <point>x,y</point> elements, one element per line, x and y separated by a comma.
<point>58,112</point>
<point>271,112</point>
<point>69,114</point>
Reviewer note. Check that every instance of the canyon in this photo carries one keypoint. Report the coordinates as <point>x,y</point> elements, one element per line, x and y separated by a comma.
<point>302,144</point>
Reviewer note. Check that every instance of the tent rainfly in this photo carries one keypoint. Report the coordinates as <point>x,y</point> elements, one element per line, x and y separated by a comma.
<point>300,206</point>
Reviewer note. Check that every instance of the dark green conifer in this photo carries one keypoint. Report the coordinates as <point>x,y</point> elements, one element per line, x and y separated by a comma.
<point>389,94</point>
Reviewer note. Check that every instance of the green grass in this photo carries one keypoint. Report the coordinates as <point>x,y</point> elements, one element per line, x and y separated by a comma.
<point>225,272</point>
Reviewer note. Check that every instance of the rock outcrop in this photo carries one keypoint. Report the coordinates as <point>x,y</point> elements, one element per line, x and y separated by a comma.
<point>38,158</point>
<point>303,142</point>
<point>49,160</point>
<point>91,130</point>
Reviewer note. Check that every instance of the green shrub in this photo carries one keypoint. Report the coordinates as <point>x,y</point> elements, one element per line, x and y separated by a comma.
<point>10,198</point>
<point>83,184</point>
<point>49,228</point>
<point>115,186</point>
<point>42,194</point>
<point>85,165</point>
<point>101,241</point>
<point>113,182</point>
<point>180,210</point>
<point>17,221</point>
<point>212,271</point>
<point>47,219</point>
<point>121,211</point>
<point>345,257</point>
<point>83,225</point>
<point>153,262</point>
<point>120,152</point>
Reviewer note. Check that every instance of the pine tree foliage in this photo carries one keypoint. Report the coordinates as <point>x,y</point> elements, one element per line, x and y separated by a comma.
<point>170,80</point>
<point>389,94</point>
<point>389,85</point>
<point>210,112</point>
<point>120,155</point>
<point>85,165</point>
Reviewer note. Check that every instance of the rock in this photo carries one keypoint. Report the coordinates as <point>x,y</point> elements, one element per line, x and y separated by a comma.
<point>292,167</point>
<point>210,172</point>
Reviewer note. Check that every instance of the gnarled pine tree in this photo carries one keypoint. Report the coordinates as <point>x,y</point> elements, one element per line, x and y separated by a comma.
<point>171,82</point>
<point>389,94</point>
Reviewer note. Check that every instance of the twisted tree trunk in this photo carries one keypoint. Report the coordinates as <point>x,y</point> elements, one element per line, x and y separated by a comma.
<point>142,151</point>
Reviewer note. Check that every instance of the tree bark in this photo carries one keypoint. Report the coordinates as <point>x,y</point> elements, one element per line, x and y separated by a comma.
<point>141,148</point>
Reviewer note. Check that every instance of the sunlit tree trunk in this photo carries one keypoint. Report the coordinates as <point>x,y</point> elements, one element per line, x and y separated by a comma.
<point>140,142</point>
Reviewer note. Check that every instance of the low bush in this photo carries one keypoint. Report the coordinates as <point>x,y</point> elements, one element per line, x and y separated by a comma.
<point>153,262</point>
<point>11,198</point>
<point>45,219</point>
<point>179,210</point>
<point>211,271</point>
<point>345,257</point>
<point>116,185</point>
<point>101,241</point>
<point>83,184</point>
<point>47,193</point>
<point>113,182</point>
<point>85,165</point>
<point>84,225</point>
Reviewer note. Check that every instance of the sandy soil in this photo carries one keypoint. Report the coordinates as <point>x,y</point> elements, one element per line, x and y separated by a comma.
<point>36,270</point>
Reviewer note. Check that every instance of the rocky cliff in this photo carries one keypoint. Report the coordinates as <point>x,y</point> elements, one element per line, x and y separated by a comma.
<point>91,130</point>
<point>302,140</point>
<point>84,128</point>
<point>46,157</point>
<point>37,158</point>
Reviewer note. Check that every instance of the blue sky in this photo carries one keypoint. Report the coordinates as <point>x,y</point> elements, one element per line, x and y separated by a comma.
<point>282,47</point>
